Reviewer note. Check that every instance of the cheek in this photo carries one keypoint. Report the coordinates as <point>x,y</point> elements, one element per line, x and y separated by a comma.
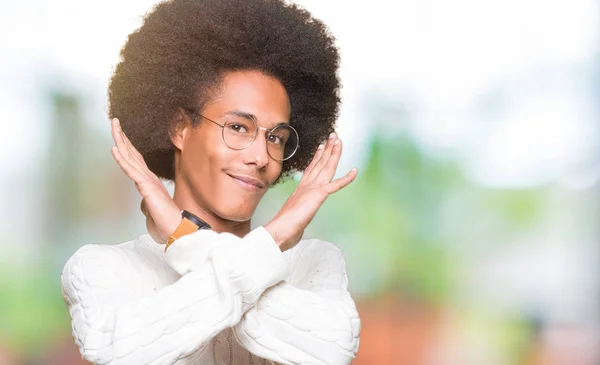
<point>202,166</point>
<point>273,172</point>
<point>208,170</point>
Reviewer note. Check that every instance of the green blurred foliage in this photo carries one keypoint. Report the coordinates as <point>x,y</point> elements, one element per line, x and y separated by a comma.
<point>403,225</point>
<point>33,311</point>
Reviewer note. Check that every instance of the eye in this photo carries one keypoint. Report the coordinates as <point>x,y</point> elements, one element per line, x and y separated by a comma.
<point>273,138</point>
<point>238,128</point>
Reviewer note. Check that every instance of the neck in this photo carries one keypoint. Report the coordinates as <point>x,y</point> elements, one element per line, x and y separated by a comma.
<point>186,199</point>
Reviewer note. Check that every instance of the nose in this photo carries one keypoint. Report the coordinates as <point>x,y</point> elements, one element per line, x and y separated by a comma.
<point>257,153</point>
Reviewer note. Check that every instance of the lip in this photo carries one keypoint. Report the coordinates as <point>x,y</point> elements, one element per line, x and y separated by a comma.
<point>248,181</point>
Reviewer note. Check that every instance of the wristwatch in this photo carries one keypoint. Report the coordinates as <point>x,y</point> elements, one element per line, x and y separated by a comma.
<point>190,223</point>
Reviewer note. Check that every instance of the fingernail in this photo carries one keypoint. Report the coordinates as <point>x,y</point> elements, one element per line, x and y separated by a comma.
<point>321,146</point>
<point>337,141</point>
<point>332,135</point>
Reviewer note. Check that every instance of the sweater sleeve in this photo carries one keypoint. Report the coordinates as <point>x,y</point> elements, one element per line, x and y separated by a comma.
<point>116,321</point>
<point>311,319</point>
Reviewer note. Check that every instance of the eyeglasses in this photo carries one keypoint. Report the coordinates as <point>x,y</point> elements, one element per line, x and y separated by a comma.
<point>239,132</point>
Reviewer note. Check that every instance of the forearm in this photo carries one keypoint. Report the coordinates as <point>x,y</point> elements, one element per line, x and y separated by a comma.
<point>296,326</point>
<point>113,325</point>
<point>310,319</point>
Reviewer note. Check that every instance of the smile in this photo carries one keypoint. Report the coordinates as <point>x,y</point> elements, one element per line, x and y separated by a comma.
<point>248,183</point>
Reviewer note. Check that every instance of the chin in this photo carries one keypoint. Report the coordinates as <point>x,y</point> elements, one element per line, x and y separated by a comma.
<point>237,215</point>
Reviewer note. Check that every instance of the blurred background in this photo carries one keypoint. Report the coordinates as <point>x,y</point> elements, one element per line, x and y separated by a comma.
<point>471,233</point>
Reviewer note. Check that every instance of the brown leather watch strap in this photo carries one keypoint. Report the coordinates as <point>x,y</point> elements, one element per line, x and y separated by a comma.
<point>184,228</point>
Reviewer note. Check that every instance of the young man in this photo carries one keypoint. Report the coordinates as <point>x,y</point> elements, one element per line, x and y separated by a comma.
<point>225,98</point>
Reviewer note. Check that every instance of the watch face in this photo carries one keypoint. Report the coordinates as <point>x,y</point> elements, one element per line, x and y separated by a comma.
<point>197,221</point>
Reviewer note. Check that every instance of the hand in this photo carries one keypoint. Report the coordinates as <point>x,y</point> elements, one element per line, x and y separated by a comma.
<point>162,214</point>
<point>315,186</point>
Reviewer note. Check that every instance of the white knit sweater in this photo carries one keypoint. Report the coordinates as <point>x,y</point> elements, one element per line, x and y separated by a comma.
<point>212,299</point>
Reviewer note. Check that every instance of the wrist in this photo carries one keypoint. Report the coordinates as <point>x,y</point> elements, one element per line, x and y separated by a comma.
<point>188,223</point>
<point>276,233</point>
<point>171,220</point>
<point>174,222</point>
<point>283,236</point>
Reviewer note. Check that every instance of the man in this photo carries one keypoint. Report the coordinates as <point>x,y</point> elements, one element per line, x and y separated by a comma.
<point>225,98</point>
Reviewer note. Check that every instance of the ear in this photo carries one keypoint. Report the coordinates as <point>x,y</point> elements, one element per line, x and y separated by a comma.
<point>180,127</point>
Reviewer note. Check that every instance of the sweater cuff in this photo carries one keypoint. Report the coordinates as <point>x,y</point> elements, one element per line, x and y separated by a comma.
<point>256,252</point>
<point>258,260</point>
<point>190,252</point>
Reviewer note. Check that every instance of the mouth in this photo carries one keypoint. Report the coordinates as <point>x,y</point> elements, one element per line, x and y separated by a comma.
<point>248,182</point>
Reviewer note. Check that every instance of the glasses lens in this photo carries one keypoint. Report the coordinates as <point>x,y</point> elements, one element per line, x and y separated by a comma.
<point>282,142</point>
<point>239,132</point>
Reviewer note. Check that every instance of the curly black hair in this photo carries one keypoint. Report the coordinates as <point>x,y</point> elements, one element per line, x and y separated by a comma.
<point>180,54</point>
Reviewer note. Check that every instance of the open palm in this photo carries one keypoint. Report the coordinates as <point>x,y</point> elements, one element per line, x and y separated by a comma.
<point>162,214</point>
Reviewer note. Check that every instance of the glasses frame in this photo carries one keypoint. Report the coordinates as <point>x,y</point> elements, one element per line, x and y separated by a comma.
<point>268,132</point>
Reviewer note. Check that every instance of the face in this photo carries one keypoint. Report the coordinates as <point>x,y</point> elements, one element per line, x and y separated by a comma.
<point>229,183</point>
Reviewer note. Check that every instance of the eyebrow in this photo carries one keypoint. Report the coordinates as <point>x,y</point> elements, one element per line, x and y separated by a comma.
<point>239,113</point>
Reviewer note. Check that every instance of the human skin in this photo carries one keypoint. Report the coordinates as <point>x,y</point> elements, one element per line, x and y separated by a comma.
<point>206,168</point>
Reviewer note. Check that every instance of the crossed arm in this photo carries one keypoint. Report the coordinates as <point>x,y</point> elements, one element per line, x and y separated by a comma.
<point>225,281</point>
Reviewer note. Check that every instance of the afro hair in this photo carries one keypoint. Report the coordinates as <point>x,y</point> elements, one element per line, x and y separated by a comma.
<point>183,49</point>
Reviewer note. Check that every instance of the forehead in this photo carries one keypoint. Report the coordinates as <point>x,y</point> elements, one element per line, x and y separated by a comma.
<point>253,93</point>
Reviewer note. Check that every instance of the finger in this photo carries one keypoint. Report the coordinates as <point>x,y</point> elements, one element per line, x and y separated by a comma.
<point>133,152</point>
<point>342,182</point>
<point>115,130</point>
<point>325,157</point>
<point>315,159</point>
<point>129,170</point>
<point>117,135</point>
<point>131,155</point>
<point>126,148</point>
<point>328,170</point>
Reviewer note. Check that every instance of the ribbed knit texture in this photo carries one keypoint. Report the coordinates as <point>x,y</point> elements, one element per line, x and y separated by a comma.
<point>212,299</point>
